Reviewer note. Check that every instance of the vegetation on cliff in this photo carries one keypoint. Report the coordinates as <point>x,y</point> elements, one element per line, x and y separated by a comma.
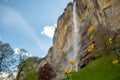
<point>27,70</point>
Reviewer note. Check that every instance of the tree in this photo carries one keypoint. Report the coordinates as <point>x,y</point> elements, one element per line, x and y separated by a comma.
<point>6,53</point>
<point>23,54</point>
<point>46,72</point>
<point>27,70</point>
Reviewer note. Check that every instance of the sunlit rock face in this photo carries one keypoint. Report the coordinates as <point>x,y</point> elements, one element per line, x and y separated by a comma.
<point>103,15</point>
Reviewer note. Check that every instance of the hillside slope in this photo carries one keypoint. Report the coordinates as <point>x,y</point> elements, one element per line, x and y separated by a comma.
<point>100,69</point>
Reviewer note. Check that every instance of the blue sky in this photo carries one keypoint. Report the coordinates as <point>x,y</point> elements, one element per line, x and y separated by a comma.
<point>30,24</point>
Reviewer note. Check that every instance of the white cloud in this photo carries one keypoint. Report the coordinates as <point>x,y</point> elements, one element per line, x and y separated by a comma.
<point>49,31</point>
<point>11,18</point>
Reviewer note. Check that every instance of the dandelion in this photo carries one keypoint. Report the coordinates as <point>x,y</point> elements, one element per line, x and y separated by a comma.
<point>68,71</point>
<point>90,29</point>
<point>72,62</point>
<point>91,37</point>
<point>90,47</point>
<point>110,40</point>
<point>115,61</point>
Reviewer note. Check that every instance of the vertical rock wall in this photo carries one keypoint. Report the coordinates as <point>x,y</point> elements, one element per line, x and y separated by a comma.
<point>103,15</point>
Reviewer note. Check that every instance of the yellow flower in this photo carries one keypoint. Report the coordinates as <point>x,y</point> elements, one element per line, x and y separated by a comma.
<point>90,29</point>
<point>68,71</point>
<point>91,37</point>
<point>72,62</point>
<point>115,61</point>
<point>110,40</point>
<point>90,47</point>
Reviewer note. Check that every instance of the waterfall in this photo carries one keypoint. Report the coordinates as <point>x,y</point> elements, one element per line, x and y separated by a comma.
<point>76,36</point>
<point>75,28</point>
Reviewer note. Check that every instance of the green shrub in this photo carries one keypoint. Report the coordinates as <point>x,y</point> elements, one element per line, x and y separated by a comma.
<point>31,75</point>
<point>27,70</point>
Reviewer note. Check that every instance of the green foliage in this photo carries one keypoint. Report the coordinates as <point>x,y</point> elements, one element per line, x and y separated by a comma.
<point>31,75</point>
<point>116,45</point>
<point>27,70</point>
<point>100,69</point>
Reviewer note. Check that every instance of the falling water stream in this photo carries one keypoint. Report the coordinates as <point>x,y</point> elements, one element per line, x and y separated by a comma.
<point>76,36</point>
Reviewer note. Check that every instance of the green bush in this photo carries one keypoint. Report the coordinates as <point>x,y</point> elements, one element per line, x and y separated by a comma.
<point>27,70</point>
<point>31,75</point>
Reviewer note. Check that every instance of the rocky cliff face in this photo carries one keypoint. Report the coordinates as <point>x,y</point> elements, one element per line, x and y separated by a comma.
<point>103,15</point>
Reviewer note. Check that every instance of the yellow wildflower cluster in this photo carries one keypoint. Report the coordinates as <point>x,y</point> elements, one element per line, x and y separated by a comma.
<point>90,29</point>
<point>72,62</point>
<point>115,61</point>
<point>91,37</point>
<point>110,40</point>
<point>68,71</point>
<point>90,47</point>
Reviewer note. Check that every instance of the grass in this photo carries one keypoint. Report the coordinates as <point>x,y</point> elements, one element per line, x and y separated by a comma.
<point>100,69</point>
